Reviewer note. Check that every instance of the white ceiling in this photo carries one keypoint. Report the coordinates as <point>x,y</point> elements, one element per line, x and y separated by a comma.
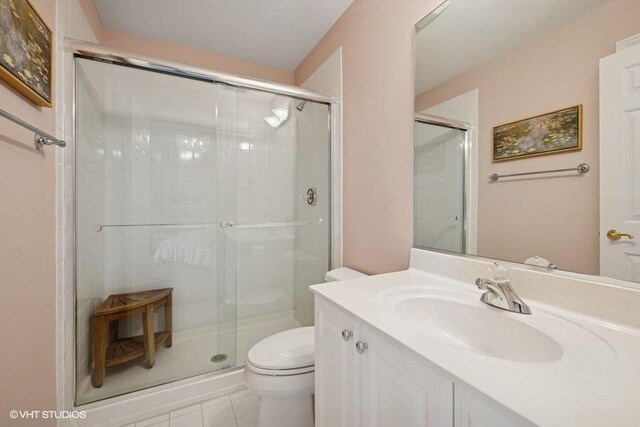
<point>471,32</point>
<point>275,32</point>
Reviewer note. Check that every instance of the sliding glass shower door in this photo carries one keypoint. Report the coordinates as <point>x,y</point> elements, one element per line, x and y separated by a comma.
<point>439,187</point>
<point>218,193</point>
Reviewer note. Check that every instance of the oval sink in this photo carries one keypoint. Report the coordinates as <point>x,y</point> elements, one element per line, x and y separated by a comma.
<point>456,316</point>
<point>478,329</point>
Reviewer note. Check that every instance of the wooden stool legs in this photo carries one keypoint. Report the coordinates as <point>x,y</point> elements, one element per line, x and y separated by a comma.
<point>168,321</point>
<point>99,350</point>
<point>109,349</point>
<point>149,335</point>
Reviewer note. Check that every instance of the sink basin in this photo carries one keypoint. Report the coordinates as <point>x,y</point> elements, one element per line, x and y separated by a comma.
<point>457,317</point>
<point>479,330</point>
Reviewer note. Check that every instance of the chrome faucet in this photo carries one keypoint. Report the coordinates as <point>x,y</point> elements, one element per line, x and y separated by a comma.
<point>499,292</point>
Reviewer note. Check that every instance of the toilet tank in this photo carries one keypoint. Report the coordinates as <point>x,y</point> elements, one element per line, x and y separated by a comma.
<point>342,273</point>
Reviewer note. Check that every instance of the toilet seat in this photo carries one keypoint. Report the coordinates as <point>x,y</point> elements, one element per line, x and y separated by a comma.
<point>291,352</point>
<point>280,372</point>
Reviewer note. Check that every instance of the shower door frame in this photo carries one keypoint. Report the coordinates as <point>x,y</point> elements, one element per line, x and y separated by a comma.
<point>91,51</point>
<point>430,119</point>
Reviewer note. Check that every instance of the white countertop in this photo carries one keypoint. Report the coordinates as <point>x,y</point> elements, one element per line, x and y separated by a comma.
<point>603,390</point>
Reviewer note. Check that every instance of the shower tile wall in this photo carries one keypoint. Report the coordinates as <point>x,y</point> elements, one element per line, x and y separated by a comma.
<point>195,153</point>
<point>265,171</point>
<point>157,158</point>
<point>161,161</point>
<point>91,207</point>
<point>312,260</point>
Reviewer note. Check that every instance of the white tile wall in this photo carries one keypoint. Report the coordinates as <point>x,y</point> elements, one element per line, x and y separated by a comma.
<point>310,245</point>
<point>327,79</point>
<point>262,162</point>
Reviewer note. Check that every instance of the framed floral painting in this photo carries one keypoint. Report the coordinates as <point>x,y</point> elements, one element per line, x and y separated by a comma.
<point>26,54</point>
<point>556,132</point>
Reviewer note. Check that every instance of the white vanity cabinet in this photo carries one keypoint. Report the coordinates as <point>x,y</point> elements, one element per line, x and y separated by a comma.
<point>396,388</point>
<point>336,388</point>
<point>472,409</point>
<point>362,379</point>
<point>365,379</point>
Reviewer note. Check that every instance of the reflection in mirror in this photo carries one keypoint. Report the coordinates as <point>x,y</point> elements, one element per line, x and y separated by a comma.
<point>540,87</point>
<point>439,185</point>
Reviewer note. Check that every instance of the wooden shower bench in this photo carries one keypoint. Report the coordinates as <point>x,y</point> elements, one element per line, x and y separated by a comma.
<point>109,350</point>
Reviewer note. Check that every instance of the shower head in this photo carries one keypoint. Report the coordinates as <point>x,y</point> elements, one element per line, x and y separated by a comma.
<point>301,106</point>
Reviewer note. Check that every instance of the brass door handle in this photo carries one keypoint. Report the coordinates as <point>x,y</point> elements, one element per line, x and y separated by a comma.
<point>617,235</point>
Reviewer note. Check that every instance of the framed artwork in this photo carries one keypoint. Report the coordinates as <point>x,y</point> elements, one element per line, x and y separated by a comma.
<point>26,54</point>
<point>551,133</point>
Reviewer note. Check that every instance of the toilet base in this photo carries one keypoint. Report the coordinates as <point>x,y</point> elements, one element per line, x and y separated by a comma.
<point>289,412</point>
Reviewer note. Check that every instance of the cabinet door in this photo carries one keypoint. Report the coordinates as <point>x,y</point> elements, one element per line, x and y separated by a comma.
<point>476,410</point>
<point>400,389</point>
<point>336,376</point>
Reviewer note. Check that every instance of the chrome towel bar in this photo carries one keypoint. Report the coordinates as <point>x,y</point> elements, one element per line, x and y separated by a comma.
<point>225,224</point>
<point>582,168</point>
<point>40,138</point>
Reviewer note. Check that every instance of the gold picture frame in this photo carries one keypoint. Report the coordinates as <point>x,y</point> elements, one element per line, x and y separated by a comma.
<point>26,51</point>
<point>559,131</point>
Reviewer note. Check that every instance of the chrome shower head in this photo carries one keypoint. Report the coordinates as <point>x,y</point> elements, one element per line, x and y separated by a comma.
<point>301,106</point>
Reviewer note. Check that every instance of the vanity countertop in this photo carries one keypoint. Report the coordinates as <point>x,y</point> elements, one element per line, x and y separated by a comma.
<point>579,388</point>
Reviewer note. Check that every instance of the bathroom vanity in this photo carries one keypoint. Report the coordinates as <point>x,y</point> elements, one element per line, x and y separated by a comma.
<point>418,348</point>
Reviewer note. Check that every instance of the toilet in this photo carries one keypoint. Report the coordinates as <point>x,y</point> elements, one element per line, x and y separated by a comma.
<point>280,369</point>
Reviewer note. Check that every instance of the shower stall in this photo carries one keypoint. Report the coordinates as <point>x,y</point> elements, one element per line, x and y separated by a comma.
<point>213,189</point>
<point>440,159</point>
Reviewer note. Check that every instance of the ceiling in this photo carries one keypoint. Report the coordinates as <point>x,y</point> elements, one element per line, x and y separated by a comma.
<point>471,32</point>
<point>276,32</point>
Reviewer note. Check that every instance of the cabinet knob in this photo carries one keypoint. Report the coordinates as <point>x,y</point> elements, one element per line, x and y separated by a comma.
<point>346,334</point>
<point>361,346</point>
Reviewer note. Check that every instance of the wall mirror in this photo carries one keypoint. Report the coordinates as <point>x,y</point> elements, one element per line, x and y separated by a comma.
<point>527,133</point>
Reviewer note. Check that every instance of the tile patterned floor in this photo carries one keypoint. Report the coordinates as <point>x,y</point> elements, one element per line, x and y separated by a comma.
<point>238,409</point>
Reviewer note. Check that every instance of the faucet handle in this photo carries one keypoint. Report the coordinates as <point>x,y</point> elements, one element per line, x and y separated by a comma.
<point>481,283</point>
<point>499,273</point>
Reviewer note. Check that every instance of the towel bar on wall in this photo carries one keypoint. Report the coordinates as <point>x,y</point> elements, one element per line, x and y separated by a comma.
<point>40,138</point>
<point>581,169</point>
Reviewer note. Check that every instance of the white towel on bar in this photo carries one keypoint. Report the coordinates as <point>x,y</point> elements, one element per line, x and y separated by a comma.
<point>185,250</point>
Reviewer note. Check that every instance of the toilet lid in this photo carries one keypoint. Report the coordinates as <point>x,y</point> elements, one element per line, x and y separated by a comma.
<point>285,350</point>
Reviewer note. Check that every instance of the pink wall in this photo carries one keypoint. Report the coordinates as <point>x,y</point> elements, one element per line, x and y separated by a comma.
<point>557,218</point>
<point>180,53</point>
<point>377,41</point>
<point>27,256</point>
<point>187,55</point>
<point>91,13</point>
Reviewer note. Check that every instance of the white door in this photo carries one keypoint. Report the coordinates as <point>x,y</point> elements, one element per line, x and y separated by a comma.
<point>620,164</point>
<point>336,387</point>
<point>398,389</point>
